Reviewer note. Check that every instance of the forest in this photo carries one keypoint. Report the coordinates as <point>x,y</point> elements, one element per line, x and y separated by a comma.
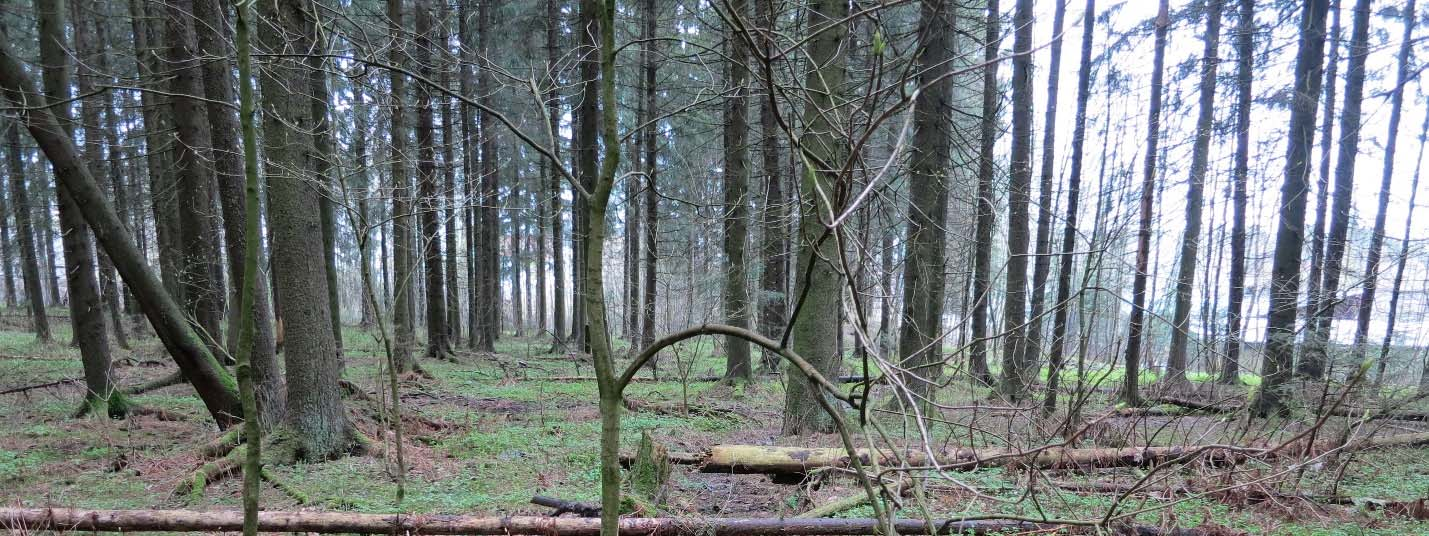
<point>714,267</point>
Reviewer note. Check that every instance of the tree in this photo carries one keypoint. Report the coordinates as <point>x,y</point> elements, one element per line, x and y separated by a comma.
<point>224,128</point>
<point>401,212</point>
<point>1191,235</point>
<point>919,339</point>
<point>736,211</point>
<point>1289,234</point>
<point>1312,359</point>
<point>488,244</point>
<point>1371,270</point>
<point>774,277</point>
<point>1245,64</point>
<point>194,174</point>
<point>986,215</point>
<point>556,206</point>
<point>428,202</point>
<point>86,312</point>
<point>651,147</point>
<point>1014,306</point>
<point>25,233</point>
<point>1130,393</point>
<point>1069,229</point>
<point>316,426</point>
<point>1042,263</point>
<point>815,329</point>
<point>1327,142</point>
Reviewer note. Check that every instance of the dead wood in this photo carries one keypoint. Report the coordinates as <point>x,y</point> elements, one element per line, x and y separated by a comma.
<point>29,388</point>
<point>562,506</point>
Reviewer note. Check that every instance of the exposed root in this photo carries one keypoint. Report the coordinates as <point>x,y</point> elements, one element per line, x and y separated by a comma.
<point>283,486</point>
<point>115,406</point>
<point>223,444</point>
<point>210,473</point>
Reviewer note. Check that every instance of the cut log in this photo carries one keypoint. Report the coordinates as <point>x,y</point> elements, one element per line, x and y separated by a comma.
<point>755,459</point>
<point>68,519</point>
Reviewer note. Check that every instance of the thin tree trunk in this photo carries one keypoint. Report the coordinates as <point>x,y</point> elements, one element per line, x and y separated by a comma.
<point>648,139</point>
<point>25,233</point>
<point>1322,184</point>
<point>488,244</point>
<point>1245,64</point>
<point>109,281</point>
<point>1191,236</point>
<point>1069,229</point>
<point>453,297</point>
<point>557,205</point>
<point>1130,391</point>
<point>1042,264</point>
<point>1015,370</point>
<point>1290,237</point>
<point>986,213</point>
<point>774,277</point>
<point>470,170</point>
<point>1399,270</point>
<point>323,161</point>
<point>1376,244</point>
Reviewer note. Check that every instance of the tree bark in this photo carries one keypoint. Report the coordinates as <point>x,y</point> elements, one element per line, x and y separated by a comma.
<point>25,233</point>
<point>1399,269</point>
<point>1290,233</point>
<point>652,199</point>
<point>402,272</point>
<point>1015,371</point>
<point>223,123</point>
<point>556,205</point>
<point>488,244</point>
<point>1322,185</point>
<point>193,162</point>
<point>86,309</point>
<point>774,277</point>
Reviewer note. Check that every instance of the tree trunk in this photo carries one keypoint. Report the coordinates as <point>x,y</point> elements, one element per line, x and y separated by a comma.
<point>25,233</point>
<point>323,160</point>
<point>1290,237</point>
<point>920,341</point>
<point>453,298</point>
<point>428,200</point>
<point>557,205</point>
<point>402,272</point>
<point>1130,391</point>
<point>1399,269</point>
<point>815,330</point>
<point>1322,185</point>
<point>1042,263</point>
<point>1069,229</point>
<point>1191,236</point>
<point>1313,358</point>
<point>774,277</point>
<point>488,244</point>
<point>737,367</point>
<point>108,280</point>
<point>1245,65</point>
<point>86,311</point>
<point>470,170</point>
<point>517,309</point>
<point>316,427</point>
<point>1015,371</point>
<point>1371,270</point>
<point>986,213</point>
<point>193,164</point>
<point>652,199</point>
<point>223,124</point>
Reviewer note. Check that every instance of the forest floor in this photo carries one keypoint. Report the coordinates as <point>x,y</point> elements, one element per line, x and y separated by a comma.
<point>493,433</point>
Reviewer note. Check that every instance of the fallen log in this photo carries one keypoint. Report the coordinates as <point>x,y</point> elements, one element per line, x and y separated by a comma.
<point>1338,411</point>
<point>756,459</point>
<point>562,506</point>
<point>68,519</point>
